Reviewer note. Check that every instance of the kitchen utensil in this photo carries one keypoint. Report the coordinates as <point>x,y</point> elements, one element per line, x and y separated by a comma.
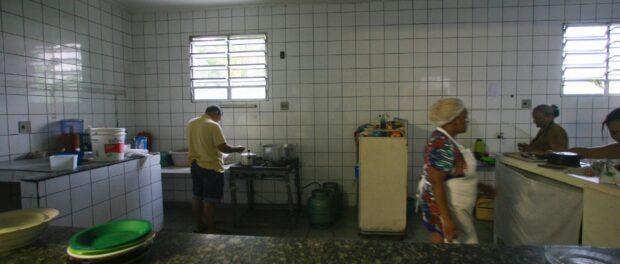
<point>19,228</point>
<point>111,234</point>
<point>578,255</point>
<point>114,251</point>
<point>63,162</point>
<point>570,159</point>
<point>130,256</point>
<point>524,156</point>
<point>278,154</point>
<point>179,158</point>
<point>289,151</point>
<point>248,158</point>
<point>552,166</point>
<point>273,152</point>
<point>144,243</point>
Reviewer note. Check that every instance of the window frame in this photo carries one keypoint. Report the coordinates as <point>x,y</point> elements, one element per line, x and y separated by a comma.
<point>605,80</point>
<point>228,87</point>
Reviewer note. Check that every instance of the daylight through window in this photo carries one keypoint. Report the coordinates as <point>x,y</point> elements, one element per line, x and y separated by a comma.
<point>591,60</point>
<point>228,67</point>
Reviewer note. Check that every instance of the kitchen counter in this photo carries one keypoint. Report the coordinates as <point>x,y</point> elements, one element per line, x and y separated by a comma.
<point>36,170</point>
<point>94,193</point>
<point>172,247</point>
<point>551,206</point>
<point>559,175</point>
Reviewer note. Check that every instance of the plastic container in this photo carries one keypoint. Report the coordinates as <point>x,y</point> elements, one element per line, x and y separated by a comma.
<point>63,162</point>
<point>141,142</point>
<point>485,207</point>
<point>480,148</point>
<point>180,158</point>
<point>108,143</point>
<point>71,126</point>
<point>77,152</point>
<point>165,159</point>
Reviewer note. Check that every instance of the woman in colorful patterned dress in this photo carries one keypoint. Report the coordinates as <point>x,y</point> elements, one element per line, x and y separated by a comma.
<point>449,185</point>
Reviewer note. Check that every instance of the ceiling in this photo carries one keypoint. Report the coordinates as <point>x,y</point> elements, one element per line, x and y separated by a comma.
<point>149,4</point>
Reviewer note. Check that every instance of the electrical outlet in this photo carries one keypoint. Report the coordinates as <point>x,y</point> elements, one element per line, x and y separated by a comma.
<point>284,106</point>
<point>526,103</point>
<point>24,127</point>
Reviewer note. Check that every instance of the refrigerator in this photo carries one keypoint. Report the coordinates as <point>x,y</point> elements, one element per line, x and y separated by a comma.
<point>382,185</point>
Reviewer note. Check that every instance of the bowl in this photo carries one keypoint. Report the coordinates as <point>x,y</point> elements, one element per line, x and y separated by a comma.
<point>110,235</point>
<point>19,228</point>
<point>180,158</point>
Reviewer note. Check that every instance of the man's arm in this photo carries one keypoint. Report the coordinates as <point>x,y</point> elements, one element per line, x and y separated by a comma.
<point>611,151</point>
<point>225,148</point>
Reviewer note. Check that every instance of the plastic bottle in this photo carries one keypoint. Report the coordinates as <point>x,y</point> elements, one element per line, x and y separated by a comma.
<point>479,148</point>
<point>383,121</point>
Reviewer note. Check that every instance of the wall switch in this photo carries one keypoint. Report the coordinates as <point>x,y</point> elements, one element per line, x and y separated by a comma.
<point>284,106</point>
<point>526,103</point>
<point>24,127</point>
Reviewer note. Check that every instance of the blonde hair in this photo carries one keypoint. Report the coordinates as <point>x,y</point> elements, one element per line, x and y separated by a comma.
<point>445,110</point>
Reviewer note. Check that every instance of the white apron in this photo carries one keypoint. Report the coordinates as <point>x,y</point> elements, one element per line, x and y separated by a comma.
<point>461,194</point>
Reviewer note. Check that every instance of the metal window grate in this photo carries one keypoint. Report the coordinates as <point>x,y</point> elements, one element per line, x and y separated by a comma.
<point>584,60</point>
<point>228,67</point>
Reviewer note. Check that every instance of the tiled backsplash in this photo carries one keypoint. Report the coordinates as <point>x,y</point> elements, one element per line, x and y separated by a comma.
<point>61,59</point>
<point>345,64</point>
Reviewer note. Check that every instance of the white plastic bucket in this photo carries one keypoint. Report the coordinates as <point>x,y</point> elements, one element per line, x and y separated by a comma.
<point>108,143</point>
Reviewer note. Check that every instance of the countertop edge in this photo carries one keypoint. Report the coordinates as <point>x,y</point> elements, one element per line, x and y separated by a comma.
<point>560,176</point>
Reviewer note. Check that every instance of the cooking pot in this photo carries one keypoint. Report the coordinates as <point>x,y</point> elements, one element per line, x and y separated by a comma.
<point>248,158</point>
<point>564,159</point>
<point>278,152</point>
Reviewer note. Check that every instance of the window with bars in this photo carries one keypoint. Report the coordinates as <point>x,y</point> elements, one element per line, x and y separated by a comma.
<point>228,67</point>
<point>591,60</point>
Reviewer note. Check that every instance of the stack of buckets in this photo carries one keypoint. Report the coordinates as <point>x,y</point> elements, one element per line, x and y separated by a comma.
<point>108,143</point>
<point>325,205</point>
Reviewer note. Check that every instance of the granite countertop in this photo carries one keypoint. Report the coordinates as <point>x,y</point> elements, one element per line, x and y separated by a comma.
<point>39,170</point>
<point>172,247</point>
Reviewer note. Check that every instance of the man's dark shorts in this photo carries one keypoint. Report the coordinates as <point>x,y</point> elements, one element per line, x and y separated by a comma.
<point>207,185</point>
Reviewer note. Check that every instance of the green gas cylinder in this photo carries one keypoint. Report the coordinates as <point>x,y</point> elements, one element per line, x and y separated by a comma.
<point>335,198</point>
<point>320,212</point>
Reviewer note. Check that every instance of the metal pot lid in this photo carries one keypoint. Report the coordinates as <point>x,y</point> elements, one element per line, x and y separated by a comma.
<point>248,154</point>
<point>565,153</point>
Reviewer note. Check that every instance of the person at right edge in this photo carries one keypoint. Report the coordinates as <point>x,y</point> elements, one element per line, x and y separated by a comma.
<point>449,186</point>
<point>551,136</point>
<point>206,144</point>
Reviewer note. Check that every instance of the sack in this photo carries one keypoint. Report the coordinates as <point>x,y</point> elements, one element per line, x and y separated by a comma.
<point>607,172</point>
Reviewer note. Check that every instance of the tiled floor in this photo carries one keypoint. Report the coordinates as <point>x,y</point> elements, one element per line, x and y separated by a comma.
<point>179,218</point>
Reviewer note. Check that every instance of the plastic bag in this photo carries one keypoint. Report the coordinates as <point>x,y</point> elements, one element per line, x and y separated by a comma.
<point>607,172</point>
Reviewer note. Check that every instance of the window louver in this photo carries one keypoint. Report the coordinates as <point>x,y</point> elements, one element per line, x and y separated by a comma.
<point>232,67</point>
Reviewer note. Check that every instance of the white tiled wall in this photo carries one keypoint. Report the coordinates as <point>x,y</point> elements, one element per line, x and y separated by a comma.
<point>346,63</point>
<point>61,59</point>
<point>94,197</point>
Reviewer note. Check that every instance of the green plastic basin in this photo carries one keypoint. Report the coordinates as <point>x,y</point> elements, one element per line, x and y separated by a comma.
<point>110,235</point>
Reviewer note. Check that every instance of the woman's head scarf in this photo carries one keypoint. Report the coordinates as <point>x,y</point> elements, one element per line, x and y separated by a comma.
<point>445,110</point>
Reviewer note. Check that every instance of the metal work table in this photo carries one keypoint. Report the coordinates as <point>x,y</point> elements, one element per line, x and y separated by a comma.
<point>265,171</point>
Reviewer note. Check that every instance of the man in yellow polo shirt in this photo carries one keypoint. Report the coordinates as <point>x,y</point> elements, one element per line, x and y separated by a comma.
<point>206,144</point>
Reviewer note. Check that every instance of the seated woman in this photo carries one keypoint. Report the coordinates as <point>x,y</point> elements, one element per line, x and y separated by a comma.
<point>551,136</point>
<point>611,151</point>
